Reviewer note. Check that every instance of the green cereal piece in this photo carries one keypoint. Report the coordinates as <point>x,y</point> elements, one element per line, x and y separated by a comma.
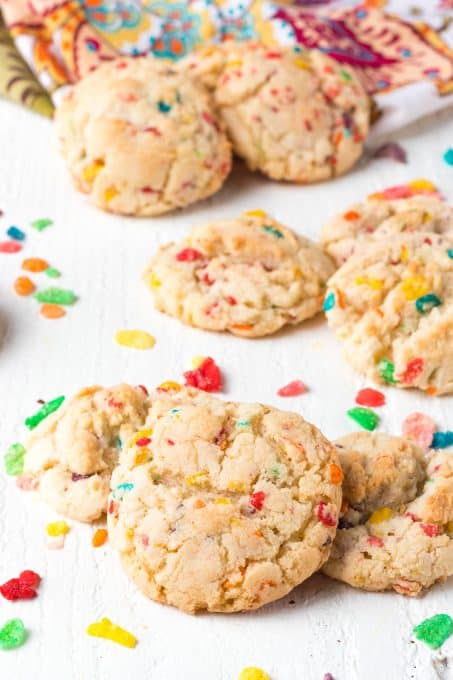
<point>365,417</point>
<point>14,459</point>
<point>46,409</point>
<point>434,631</point>
<point>272,230</point>
<point>243,423</point>
<point>12,634</point>
<point>56,296</point>
<point>41,224</point>
<point>52,272</point>
<point>387,371</point>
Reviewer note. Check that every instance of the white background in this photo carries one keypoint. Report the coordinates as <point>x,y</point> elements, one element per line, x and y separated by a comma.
<point>331,627</point>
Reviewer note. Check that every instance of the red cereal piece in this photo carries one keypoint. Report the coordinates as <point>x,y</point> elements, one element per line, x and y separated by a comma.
<point>431,530</point>
<point>292,389</point>
<point>324,515</point>
<point>143,389</point>
<point>420,428</point>
<point>189,255</point>
<point>257,500</point>
<point>22,588</point>
<point>206,377</point>
<point>30,578</point>
<point>375,541</point>
<point>370,397</point>
<point>144,441</point>
<point>413,369</point>
<point>10,247</point>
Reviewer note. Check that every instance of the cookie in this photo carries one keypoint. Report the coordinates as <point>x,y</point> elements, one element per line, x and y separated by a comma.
<point>345,234</point>
<point>142,138</point>
<point>392,306</point>
<point>222,506</point>
<point>293,114</point>
<point>396,532</point>
<point>72,453</point>
<point>249,275</point>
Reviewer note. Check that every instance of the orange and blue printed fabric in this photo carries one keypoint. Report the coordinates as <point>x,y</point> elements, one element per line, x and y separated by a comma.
<point>390,45</point>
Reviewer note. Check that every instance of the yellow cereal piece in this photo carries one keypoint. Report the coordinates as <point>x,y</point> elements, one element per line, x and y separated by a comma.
<point>142,456</point>
<point>422,185</point>
<point>109,631</point>
<point>153,281</point>
<point>236,63</point>
<point>301,63</point>
<point>140,435</point>
<point>110,193</point>
<point>57,528</point>
<point>238,487</point>
<point>135,339</point>
<point>298,273</point>
<point>255,213</point>
<point>235,522</point>
<point>375,284</point>
<point>404,254</point>
<point>253,673</point>
<point>90,172</point>
<point>169,386</point>
<point>381,515</point>
<point>427,217</point>
<point>414,287</point>
<point>198,479</point>
<point>197,361</point>
<point>222,501</point>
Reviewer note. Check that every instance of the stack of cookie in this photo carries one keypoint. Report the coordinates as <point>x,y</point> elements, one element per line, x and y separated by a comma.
<point>225,506</point>
<point>144,136</point>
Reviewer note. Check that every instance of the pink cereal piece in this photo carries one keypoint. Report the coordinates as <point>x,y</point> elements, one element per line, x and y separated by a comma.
<point>420,428</point>
<point>292,389</point>
<point>27,482</point>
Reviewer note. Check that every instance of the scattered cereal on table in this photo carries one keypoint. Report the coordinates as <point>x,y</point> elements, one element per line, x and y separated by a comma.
<point>10,247</point>
<point>14,459</point>
<point>46,409</point>
<point>393,151</point>
<point>448,156</point>
<point>435,630</point>
<point>292,389</point>
<point>48,311</point>
<point>34,264</point>
<point>100,537</point>
<point>41,223</point>
<point>15,233</point>
<point>441,440</point>
<point>108,630</point>
<point>206,377</point>
<point>59,528</point>
<point>52,273</point>
<point>135,339</point>
<point>12,634</point>
<point>24,286</point>
<point>420,428</point>
<point>57,296</point>
<point>365,417</point>
<point>21,588</point>
<point>252,673</point>
<point>370,397</point>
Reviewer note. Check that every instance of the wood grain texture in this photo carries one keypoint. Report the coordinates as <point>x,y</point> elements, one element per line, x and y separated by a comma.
<point>330,627</point>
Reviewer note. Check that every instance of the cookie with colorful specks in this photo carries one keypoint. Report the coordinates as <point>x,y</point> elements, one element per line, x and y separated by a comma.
<point>223,506</point>
<point>250,276</point>
<point>396,532</point>
<point>142,138</point>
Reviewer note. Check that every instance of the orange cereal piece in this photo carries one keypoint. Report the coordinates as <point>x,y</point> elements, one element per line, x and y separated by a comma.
<point>24,286</point>
<point>336,474</point>
<point>100,536</point>
<point>34,264</point>
<point>49,311</point>
<point>351,215</point>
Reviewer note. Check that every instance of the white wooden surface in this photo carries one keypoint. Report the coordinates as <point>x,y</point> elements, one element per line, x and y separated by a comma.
<point>330,627</point>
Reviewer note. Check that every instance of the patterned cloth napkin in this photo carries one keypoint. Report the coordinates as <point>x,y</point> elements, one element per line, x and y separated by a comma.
<point>403,52</point>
